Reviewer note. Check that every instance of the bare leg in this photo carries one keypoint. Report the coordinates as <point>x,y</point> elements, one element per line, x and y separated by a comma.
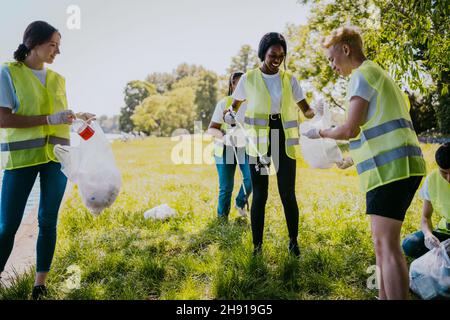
<point>381,292</point>
<point>394,272</point>
<point>40,278</point>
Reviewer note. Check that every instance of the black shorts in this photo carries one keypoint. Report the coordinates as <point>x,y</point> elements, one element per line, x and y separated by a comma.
<point>393,199</point>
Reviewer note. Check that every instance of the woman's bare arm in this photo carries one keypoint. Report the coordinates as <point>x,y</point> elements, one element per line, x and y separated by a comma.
<point>10,120</point>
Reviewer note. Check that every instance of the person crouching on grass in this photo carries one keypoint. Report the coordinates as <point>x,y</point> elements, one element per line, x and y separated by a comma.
<point>436,195</point>
<point>384,147</point>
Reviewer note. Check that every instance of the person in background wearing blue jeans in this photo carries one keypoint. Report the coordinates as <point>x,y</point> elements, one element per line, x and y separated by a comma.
<point>33,118</point>
<point>225,156</point>
<point>436,195</point>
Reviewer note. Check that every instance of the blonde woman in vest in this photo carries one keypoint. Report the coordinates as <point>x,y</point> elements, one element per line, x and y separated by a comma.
<point>225,157</point>
<point>383,146</point>
<point>273,98</point>
<point>33,118</point>
<point>436,195</point>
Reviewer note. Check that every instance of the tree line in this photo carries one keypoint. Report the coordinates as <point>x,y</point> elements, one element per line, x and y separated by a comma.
<point>409,38</point>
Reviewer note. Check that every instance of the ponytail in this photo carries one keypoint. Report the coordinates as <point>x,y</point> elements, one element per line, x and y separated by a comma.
<point>21,53</point>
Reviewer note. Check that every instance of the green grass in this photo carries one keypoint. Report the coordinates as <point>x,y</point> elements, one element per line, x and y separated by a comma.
<point>193,256</point>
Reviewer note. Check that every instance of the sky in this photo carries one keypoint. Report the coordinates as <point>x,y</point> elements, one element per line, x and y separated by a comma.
<point>119,41</point>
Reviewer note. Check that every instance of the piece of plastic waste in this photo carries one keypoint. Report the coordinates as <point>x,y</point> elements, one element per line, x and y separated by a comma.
<point>92,167</point>
<point>86,131</point>
<point>235,137</point>
<point>319,153</point>
<point>161,212</point>
<point>430,274</point>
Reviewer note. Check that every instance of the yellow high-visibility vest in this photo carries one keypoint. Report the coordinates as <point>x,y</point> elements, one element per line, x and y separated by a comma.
<point>387,148</point>
<point>258,112</point>
<point>439,190</point>
<point>25,147</point>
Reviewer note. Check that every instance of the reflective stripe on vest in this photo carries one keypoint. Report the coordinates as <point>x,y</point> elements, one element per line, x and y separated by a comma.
<point>256,122</point>
<point>380,130</point>
<point>387,148</point>
<point>382,159</point>
<point>258,111</point>
<point>292,142</point>
<point>290,124</point>
<point>31,144</point>
<point>25,147</point>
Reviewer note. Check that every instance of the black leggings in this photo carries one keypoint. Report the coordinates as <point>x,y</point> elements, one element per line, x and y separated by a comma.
<point>286,186</point>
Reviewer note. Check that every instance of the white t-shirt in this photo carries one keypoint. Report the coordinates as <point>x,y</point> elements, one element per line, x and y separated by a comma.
<point>41,75</point>
<point>273,83</point>
<point>424,193</point>
<point>220,108</point>
<point>358,86</point>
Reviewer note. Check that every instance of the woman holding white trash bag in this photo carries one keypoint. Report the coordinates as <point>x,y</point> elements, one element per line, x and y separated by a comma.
<point>273,98</point>
<point>384,147</point>
<point>33,118</point>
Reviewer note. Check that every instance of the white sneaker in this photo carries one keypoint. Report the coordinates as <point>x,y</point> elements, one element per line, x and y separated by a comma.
<point>242,212</point>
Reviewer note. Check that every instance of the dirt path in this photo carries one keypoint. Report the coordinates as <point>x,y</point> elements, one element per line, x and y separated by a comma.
<point>23,255</point>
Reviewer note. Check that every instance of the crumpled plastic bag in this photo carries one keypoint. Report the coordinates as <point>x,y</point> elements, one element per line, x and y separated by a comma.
<point>235,137</point>
<point>430,274</point>
<point>319,153</point>
<point>92,167</point>
<point>161,212</point>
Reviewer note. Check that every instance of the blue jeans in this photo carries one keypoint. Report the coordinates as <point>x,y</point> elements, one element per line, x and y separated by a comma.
<point>226,167</point>
<point>414,244</point>
<point>17,185</point>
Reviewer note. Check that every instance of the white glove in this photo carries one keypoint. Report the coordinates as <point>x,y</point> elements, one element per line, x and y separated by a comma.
<point>229,119</point>
<point>431,241</point>
<point>63,117</point>
<point>312,133</point>
<point>86,116</point>
<point>345,163</point>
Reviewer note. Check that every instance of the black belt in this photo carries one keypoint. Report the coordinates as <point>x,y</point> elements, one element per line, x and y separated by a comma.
<point>275,117</point>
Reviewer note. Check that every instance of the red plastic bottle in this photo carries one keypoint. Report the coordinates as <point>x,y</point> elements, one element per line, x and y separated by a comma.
<point>86,132</point>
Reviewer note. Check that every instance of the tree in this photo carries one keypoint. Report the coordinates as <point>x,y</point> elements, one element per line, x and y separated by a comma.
<point>407,38</point>
<point>206,96</point>
<point>204,83</point>
<point>166,113</point>
<point>246,59</point>
<point>135,92</point>
<point>162,81</point>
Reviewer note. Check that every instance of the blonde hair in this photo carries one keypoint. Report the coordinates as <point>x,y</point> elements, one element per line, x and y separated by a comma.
<point>349,35</point>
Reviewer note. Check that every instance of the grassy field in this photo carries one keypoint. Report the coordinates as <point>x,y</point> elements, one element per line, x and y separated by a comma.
<point>120,255</point>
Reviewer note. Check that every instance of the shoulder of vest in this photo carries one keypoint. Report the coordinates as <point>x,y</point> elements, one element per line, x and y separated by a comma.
<point>224,99</point>
<point>55,73</point>
<point>434,174</point>
<point>286,73</point>
<point>14,64</point>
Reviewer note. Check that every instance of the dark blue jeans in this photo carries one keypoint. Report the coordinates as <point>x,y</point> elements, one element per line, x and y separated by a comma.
<point>414,244</point>
<point>226,167</point>
<point>17,185</point>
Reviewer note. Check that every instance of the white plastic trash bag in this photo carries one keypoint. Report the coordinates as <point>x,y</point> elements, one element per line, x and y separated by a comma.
<point>92,167</point>
<point>430,274</point>
<point>319,153</point>
<point>161,212</point>
<point>235,137</point>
